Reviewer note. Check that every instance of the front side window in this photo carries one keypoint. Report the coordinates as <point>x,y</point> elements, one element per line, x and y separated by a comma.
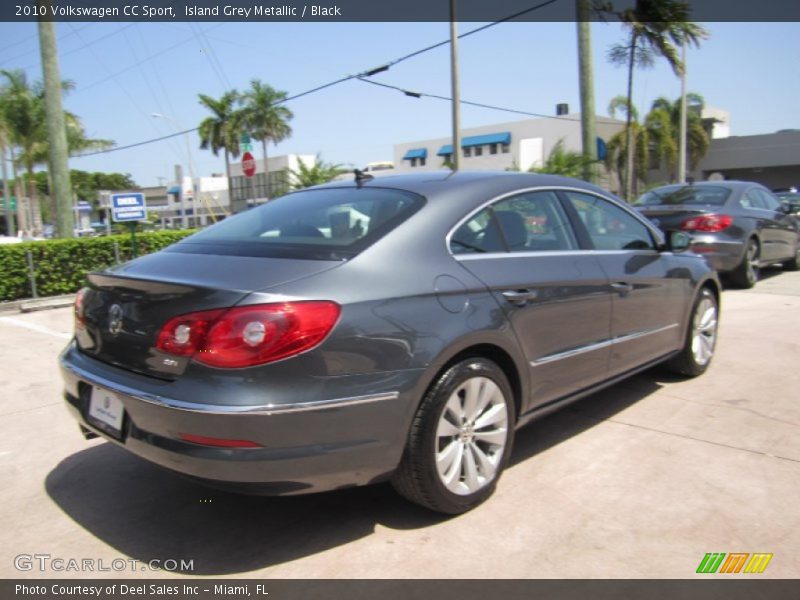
<point>609,226</point>
<point>326,224</point>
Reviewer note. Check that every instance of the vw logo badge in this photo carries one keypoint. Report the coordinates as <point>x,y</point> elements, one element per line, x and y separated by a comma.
<point>115,319</point>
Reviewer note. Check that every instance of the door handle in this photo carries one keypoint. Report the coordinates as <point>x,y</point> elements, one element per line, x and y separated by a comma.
<point>520,297</point>
<point>622,288</point>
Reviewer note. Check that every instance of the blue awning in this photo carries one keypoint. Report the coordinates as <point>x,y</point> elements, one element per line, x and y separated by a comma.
<point>445,150</point>
<point>175,189</point>
<point>416,153</point>
<point>477,140</point>
<point>489,138</point>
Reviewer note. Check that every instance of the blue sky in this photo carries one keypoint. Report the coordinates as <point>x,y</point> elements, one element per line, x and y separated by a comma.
<point>746,68</point>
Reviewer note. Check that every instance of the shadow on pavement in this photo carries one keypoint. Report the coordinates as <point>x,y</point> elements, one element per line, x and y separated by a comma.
<point>148,513</point>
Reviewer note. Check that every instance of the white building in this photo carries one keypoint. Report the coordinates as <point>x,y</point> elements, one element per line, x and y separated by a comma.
<point>720,121</point>
<point>515,144</point>
<point>247,191</point>
<point>204,200</point>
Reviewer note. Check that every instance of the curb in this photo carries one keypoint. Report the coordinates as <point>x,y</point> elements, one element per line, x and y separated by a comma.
<point>35,304</point>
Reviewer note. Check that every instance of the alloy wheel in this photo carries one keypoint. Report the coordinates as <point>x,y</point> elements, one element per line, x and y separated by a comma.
<point>471,436</point>
<point>704,330</point>
<point>752,261</point>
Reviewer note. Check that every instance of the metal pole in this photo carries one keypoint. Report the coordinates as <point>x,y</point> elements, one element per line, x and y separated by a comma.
<point>456,91</point>
<point>586,84</point>
<point>31,273</point>
<point>116,252</point>
<point>56,130</point>
<point>682,140</point>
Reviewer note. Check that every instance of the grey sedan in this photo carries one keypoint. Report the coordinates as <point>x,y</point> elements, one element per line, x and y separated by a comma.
<point>394,329</point>
<point>738,226</point>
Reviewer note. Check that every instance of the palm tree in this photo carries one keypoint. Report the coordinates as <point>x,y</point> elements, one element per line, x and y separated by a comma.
<point>618,157</point>
<point>26,128</point>
<point>564,162</point>
<point>221,131</point>
<point>655,27</point>
<point>321,172</point>
<point>663,126</point>
<point>266,119</point>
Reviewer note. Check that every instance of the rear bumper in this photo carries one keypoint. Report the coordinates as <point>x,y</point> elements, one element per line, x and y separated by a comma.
<point>722,255</point>
<point>306,446</point>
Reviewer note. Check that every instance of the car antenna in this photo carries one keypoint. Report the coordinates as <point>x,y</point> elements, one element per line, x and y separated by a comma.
<point>361,177</point>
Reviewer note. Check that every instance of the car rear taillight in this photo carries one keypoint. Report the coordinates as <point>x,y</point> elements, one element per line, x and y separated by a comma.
<point>79,308</point>
<point>246,336</point>
<point>707,223</point>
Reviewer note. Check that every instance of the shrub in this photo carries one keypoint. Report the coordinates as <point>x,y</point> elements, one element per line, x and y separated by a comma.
<point>61,265</point>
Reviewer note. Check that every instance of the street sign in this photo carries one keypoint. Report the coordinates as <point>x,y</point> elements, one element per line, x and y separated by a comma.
<point>248,165</point>
<point>244,138</point>
<point>128,207</point>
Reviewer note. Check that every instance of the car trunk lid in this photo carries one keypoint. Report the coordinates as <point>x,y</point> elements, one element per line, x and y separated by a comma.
<point>668,217</point>
<point>125,307</point>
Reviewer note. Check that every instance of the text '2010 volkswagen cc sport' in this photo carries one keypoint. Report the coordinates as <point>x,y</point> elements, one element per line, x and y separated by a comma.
<point>398,329</point>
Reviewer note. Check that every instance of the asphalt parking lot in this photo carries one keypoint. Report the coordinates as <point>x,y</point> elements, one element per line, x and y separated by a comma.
<point>638,481</point>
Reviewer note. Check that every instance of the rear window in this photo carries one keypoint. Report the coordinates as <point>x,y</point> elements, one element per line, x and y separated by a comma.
<point>685,194</point>
<point>325,224</point>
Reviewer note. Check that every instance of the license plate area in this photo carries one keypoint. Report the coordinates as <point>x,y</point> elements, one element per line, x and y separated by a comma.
<point>106,412</point>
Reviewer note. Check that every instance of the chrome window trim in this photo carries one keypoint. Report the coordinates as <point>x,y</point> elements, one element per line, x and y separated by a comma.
<point>658,237</point>
<point>534,253</point>
<point>261,409</point>
<point>600,345</point>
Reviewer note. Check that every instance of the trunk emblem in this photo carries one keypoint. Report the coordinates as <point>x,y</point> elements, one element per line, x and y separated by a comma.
<point>115,319</point>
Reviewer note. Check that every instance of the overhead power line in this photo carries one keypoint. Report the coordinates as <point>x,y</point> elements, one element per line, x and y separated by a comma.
<point>415,94</point>
<point>360,76</point>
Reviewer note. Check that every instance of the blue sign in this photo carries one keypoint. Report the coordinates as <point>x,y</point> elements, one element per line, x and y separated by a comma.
<point>128,207</point>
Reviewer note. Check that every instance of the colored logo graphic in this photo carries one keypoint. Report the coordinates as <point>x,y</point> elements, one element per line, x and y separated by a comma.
<point>736,562</point>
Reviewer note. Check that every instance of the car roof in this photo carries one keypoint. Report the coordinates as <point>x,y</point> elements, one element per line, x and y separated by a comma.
<point>433,183</point>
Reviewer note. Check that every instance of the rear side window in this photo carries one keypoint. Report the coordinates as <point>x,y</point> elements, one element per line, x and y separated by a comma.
<point>685,194</point>
<point>609,226</point>
<point>324,224</point>
<point>528,222</point>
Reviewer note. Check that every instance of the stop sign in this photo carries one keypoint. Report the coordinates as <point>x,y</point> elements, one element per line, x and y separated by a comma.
<point>248,164</point>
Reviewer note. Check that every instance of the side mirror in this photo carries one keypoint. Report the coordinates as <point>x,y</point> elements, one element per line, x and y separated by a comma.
<point>678,241</point>
<point>785,208</point>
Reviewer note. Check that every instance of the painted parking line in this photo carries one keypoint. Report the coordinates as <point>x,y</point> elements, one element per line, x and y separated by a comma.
<point>34,327</point>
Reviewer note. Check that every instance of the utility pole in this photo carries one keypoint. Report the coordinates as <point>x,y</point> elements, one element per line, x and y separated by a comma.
<point>682,139</point>
<point>456,156</point>
<point>56,131</point>
<point>586,83</point>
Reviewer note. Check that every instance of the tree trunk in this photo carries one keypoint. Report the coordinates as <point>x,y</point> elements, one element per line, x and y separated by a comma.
<point>586,84</point>
<point>11,227</point>
<point>264,143</point>
<point>629,151</point>
<point>61,192</point>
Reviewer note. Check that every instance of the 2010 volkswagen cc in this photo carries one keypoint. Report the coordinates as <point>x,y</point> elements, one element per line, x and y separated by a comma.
<point>399,329</point>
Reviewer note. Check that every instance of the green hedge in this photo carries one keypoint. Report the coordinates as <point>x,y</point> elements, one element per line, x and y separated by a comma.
<point>61,265</point>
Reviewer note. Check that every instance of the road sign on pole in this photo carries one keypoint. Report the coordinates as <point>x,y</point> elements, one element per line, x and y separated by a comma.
<point>248,165</point>
<point>128,207</point>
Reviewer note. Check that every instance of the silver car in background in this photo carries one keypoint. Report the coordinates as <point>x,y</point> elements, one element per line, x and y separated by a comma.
<point>737,225</point>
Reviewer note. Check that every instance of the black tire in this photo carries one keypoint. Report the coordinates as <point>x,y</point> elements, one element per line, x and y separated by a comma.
<point>693,361</point>
<point>745,275</point>
<point>793,264</point>
<point>418,478</point>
